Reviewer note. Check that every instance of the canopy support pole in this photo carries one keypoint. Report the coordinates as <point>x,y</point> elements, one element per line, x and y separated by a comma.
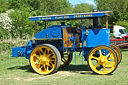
<point>36,30</point>
<point>106,21</point>
<point>45,25</point>
<point>35,27</point>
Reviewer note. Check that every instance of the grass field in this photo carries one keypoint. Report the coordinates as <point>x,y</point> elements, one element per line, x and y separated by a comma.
<point>17,71</point>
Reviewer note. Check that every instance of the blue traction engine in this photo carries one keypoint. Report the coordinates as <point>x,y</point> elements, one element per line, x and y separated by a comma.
<point>55,46</point>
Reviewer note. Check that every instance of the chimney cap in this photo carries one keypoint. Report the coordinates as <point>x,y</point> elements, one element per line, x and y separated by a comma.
<point>95,10</point>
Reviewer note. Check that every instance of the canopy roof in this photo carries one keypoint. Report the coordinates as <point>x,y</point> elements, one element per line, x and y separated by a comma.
<point>70,16</point>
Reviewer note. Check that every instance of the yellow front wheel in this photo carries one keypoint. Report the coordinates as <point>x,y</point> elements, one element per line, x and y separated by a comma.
<point>102,60</point>
<point>45,59</point>
<point>118,51</point>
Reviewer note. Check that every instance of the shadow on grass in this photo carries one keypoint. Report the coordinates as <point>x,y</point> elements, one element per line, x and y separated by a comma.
<point>76,68</point>
<point>82,69</point>
<point>27,68</point>
<point>71,68</point>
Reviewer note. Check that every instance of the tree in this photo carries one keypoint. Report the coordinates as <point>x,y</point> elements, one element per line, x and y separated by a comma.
<point>4,34</point>
<point>3,5</point>
<point>20,22</point>
<point>55,7</point>
<point>26,8</point>
<point>119,8</point>
<point>82,8</point>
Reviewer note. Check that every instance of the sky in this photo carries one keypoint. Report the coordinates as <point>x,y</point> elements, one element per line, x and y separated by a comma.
<point>74,2</point>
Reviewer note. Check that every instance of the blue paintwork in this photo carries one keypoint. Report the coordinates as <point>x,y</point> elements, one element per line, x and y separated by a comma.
<point>18,51</point>
<point>93,38</point>
<point>68,16</point>
<point>96,37</point>
<point>23,51</point>
<point>50,33</point>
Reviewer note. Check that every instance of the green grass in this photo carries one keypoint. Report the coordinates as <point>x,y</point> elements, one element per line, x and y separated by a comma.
<point>17,71</point>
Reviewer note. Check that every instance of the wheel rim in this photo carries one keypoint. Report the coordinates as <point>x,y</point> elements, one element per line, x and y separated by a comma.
<point>117,50</point>
<point>103,63</point>
<point>64,59</point>
<point>43,60</point>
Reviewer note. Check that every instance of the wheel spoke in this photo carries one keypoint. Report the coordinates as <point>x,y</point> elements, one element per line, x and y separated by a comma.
<point>44,53</point>
<point>96,65</point>
<point>50,54</point>
<point>63,60</point>
<point>47,68</point>
<point>41,50</point>
<point>66,56</point>
<point>105,70</point>
<point>41,67</point>
<point>108,54</point>
<point>111,57</point>
<point>100,52</point>
<point>40,53</point>
<point>92,57</point>
<point>48,51</point>
<point>52,57</point>
<point>52,60</point>
<point>110,62</point>
<point>38,66</point>
<point>44,67</point>
<point>51,63</point>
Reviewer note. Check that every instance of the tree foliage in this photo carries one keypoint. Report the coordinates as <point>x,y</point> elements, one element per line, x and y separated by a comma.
<point>3,5</point>
<point>82,8</point>
<point>119,9</point>
<point>22,26</point>
<point>4,34</point>
<point>56,7</point>
<point>20,22</point>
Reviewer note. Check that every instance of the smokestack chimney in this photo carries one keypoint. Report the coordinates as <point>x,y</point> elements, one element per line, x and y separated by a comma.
<point>95,19</point>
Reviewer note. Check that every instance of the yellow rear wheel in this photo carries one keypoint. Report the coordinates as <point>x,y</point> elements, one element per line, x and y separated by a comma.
<point>65,59</point>
<point>102,60</point>
<point>118,51</point>
<point>45,59</point>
